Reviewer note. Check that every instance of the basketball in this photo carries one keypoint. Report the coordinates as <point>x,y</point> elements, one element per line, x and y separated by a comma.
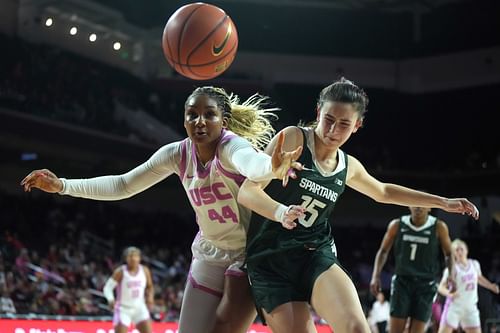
<point>200,41</point>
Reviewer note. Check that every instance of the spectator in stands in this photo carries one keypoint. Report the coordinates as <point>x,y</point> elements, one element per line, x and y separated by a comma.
<point>6,303</point>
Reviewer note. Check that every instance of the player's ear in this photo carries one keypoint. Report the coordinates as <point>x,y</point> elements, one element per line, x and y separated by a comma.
<point>358,125</point>
<point>225,121</point>
<point>318,112</point>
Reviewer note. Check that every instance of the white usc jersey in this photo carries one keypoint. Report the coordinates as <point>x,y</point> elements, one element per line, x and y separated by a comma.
<point>466,282</point>
<point>130,291</point>
<point>213,191</point>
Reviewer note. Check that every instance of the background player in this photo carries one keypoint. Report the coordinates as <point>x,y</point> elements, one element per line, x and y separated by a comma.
<point>461,300</point>
<point>418,240</point>
<point>211,163</point>
<point>133,281</point>
<point>289,268</point>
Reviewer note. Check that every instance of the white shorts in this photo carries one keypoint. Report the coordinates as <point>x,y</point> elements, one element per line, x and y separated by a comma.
<point>210,265</point>
<point>125,315</point>
<point>456,314</point>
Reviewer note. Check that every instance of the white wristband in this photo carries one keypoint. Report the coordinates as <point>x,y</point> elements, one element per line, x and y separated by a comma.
<point>279,213</point>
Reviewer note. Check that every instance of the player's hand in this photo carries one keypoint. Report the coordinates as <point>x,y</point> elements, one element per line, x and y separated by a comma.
<point>293,212</point>
<point>453,295</point>
<point>375,286</point>
<point>284,162</point>
<point>462,206</point>
<point>452,285</point>
<point>44,180</point>
<point>495,289</point>
<point>150,303</point>
<point>111,305</point>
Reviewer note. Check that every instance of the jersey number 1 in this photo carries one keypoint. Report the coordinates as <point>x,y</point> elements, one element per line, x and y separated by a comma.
<point>310,205</point>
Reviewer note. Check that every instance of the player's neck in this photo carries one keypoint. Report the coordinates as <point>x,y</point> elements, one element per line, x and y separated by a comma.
<point>322,152</point>
<point>418,222</point>
<point>206,152</point>
<point>462,262</point>
<point>133,270</point>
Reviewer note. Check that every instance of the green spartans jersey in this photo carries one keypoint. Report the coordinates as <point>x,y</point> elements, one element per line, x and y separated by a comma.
<point>316,192</point>
<point>417,249</point>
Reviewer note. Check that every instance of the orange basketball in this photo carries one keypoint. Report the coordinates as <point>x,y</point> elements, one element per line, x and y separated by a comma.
<point>200,41</point>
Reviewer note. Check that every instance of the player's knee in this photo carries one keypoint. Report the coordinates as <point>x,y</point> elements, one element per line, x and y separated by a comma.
<point>223,315</point>
<point>356,325</point>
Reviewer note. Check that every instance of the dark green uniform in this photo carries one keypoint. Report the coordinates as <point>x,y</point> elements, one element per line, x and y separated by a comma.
<point>417,254</point>
<point>284,264</point>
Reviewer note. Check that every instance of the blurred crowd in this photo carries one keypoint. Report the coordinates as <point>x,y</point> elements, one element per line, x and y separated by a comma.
<point>60,267</point>
<point>55,255</point>
<point>49,82</point>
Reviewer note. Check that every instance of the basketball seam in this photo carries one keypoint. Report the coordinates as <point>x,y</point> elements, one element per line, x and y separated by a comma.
<point>182,33</point>
<point>208,76</point>
<point>206,63</point>
<point>204,40</point>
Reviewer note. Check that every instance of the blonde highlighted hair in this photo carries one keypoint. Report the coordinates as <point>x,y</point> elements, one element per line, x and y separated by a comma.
<point>456,242</point>
<point>250,119</point>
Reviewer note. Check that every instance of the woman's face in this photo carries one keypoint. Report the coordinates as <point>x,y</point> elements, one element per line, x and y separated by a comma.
<point>203,120</point>
<point>336,122</point>
<point>460,252</point>
<point>133,259</point>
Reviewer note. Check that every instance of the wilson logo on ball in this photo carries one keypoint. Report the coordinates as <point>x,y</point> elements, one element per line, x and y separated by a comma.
<point>217,50</point>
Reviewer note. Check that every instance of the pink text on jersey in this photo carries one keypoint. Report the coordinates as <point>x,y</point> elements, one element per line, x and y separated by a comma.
<point>208,194</point>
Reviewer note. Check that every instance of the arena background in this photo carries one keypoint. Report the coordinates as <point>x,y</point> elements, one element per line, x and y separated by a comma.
<point>82,108</point>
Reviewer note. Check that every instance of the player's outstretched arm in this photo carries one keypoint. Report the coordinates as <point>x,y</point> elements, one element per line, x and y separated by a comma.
<point>159,166</point>
<point>360,180</point>
<point>484,282</point>
<point>252,196</point>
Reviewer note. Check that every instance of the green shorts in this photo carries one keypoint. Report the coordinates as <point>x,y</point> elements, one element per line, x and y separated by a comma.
<point>412,297</point>
<point>288,276</point>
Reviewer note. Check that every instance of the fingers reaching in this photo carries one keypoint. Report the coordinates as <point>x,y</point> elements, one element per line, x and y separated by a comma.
<point>42,179</point>
<point>294,212</point>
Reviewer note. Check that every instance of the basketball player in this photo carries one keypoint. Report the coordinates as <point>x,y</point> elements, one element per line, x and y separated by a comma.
<point>461,302</point>
<point>212,163</point>
<point>133,281</point>
<point>288,269</point>
<point>417,239</point>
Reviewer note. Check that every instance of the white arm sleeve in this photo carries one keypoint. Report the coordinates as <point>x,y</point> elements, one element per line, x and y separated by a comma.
<point>159,166</point>
<point>108,289</point>
<point>239,154</point>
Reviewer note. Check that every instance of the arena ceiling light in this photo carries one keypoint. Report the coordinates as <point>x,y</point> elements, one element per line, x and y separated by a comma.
<point>49,21</point>
<point>73,31</point>
<point>117,46</point>
<point>92,37</point>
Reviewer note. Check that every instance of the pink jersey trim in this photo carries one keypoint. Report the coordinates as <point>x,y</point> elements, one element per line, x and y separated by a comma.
<point>234,273</point>
<point>200,170</point>
<point>239,179</point>
<point>119,292</point>
<point>444,316</point>
<point>203,288</point>
<point>182,166</point>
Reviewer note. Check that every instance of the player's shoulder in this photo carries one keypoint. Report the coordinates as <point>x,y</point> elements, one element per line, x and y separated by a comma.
<point>475,263</point>
<point>171,148</point>
<point>393,226</point>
